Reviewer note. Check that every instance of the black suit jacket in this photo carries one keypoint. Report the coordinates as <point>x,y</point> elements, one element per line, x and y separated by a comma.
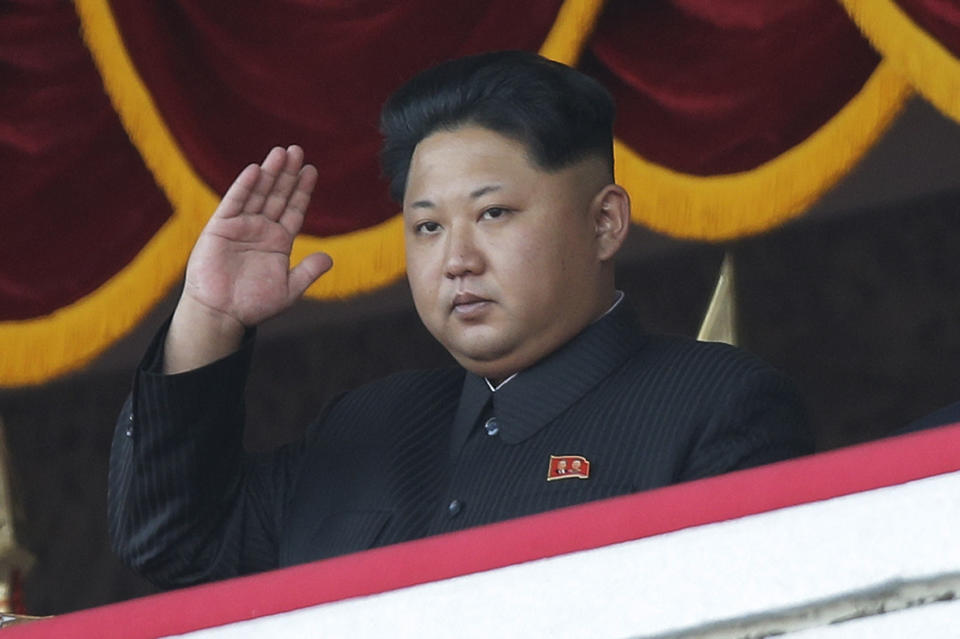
<point>408,456</point>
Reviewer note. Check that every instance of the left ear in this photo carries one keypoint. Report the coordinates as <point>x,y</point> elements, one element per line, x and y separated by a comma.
<point>610,211</point>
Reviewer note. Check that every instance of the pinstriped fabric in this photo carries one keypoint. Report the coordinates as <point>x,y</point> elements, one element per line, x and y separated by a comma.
<point>181,476</point>
<point>645,411</point>
<point>397,432</point>
<point>537,396</point>
<point>406,457</point>
<point>473,399</point>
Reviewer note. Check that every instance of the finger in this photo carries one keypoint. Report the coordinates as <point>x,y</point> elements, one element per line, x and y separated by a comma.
<point>292,216</point>
<point>235,199</point>
<point>269,169</point>
<point>284,184</point>
<point>306,273</point>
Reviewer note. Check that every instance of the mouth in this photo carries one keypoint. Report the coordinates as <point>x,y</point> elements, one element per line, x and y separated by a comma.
<point>468,305</point>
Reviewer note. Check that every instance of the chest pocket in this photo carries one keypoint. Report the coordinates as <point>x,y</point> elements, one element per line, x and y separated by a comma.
<point>340,505</point>
<point>338,534</point>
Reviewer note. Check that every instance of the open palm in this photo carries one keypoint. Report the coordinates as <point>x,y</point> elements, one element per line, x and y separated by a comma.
<point>240,266</point>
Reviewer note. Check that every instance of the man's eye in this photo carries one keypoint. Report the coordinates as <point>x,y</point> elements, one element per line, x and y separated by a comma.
<point>494,212</point>
<point>427,227</point>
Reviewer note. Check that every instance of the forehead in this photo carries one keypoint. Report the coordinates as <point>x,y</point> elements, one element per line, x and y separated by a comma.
<point>458,157</point>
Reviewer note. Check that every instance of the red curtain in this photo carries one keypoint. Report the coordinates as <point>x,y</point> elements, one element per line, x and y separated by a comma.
<point>703,88</point>
<point>711,88</point>
<point>233,79</point>
<point>76,202</point>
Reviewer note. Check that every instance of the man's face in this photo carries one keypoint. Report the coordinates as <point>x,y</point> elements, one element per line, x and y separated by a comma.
<point>502,257</point>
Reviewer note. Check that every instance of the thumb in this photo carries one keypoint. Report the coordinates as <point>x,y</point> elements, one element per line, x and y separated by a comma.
<point>306,273</point>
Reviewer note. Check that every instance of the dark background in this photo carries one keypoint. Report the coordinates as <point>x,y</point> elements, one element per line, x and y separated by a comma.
<point>857,301</point>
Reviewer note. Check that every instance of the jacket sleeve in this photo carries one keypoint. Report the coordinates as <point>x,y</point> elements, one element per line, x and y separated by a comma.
<point>185,504</point>
<point>759,419</point>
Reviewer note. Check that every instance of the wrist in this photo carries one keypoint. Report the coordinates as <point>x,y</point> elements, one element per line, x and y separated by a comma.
<point>199,335</point>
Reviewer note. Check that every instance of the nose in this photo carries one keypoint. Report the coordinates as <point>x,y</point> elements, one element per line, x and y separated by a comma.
<point>463,255</point>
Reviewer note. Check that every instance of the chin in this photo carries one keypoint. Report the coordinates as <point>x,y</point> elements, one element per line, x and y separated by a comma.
<point>489,370</point>
<point>483,360</point>
<point>493,363</point>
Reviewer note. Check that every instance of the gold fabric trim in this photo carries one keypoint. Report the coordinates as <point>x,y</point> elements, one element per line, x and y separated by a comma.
<point>929,66</point>
<point>724,207</point>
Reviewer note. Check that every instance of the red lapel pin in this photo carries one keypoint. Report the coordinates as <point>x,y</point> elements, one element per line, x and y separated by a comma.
<point>567,467</point>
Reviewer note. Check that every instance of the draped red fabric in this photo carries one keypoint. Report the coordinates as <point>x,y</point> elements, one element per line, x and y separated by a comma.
<point>233,79</point>
<point>940,18</point>
<point>713,88</point>
<point>76,202</point>
<point>702,87</point>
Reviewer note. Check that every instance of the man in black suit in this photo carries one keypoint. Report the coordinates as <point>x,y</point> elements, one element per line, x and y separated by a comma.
<point>503,163</point>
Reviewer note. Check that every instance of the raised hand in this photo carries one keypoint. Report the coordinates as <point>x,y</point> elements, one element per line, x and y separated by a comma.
<point>239,271</point>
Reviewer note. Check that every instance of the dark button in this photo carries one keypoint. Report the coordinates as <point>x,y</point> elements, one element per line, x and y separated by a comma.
<point>130,417</point>
<point>492,426</point>
<point>454,507</point>
<point>129,431</point>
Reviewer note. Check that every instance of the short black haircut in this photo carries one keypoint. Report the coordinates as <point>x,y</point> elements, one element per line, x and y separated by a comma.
<point>558,113</point>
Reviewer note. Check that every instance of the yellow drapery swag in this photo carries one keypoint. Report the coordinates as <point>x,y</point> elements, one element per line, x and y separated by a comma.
<point>926,64</point>
<point>725,207</point>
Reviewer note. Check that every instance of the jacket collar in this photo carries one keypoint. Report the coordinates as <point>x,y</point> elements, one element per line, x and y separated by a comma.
<point>539,394</point>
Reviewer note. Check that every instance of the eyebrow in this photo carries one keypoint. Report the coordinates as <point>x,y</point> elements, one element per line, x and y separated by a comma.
<point>476,193</point>
<point>483,190</point>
